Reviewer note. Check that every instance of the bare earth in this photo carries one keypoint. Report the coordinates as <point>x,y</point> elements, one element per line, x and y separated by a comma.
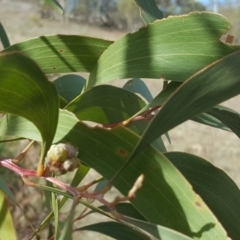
<point>22,22</point>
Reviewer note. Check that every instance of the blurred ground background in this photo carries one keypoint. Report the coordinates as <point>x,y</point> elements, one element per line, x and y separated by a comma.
<point>26,19</point>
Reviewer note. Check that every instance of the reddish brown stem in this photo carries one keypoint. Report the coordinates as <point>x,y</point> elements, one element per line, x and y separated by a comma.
<point>144,116</point>
<point>8,163</point>
<point>108,126</point>
<point>20,157</point>
<point>25,173</point>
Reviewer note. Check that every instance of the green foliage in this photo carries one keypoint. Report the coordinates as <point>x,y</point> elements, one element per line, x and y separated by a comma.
<point>19,74</point>
<point>118,130</point>
<point>7,230</point>
<point>4,37</point>
<point>149,11</point>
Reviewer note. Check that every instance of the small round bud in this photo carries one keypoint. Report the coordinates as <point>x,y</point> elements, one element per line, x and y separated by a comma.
<point>62,158</point>
<point>76,162</point>
<point>71,164</point>
<point>67,165</point>
<point>57,171</point>
<point>57,153</point>
<point>72,152</point>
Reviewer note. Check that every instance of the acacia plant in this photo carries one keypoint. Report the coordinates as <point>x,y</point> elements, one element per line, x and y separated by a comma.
<point>82,124</point>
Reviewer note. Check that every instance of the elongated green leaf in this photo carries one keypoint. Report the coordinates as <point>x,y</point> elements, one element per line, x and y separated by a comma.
<point>11,139</point>
<point>25,91</point>
<point>62,53</point>
<point>172,48</point>
<point>217,189</point>
<point>160,99</point>
<point>126,209</point>
<point>69,86</point>
<point>55,5</point>
<point>4,37</point>
<point>157,231</point>
<point>48,200</point>
<point>56,214</point>
<point>209,120</point>
<point>62,102</point>
<point>7,127</point>
<point>199,93</point>
<point>114,230</point>
<point>67,228</point>
<point>138,86</point>
<point>165,192</point>
<point>6,190</point>
<point>133,217</point>
<point>228,117</point>
<point>149,10</point>
<point>106,104</point>
<point>7,230</point>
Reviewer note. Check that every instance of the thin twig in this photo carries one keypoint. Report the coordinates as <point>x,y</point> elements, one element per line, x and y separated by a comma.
<point>148,115</point>
<point>20,157</point>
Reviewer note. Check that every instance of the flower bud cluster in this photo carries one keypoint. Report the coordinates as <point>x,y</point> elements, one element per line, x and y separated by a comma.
<point>62,158</point>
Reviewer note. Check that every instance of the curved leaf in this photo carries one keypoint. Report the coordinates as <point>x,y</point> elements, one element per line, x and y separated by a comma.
<point>157,231</point>
<point>11,139</point>
<point>160,99</point>
<point>25,91</point>
<point>199,93</point>
<point>4,37</point>
<point>68,225</point>
<point>209,120</point>
<point>216,188</point>
<point>132,216</point>
<point>228,117</point>
<point>149,11</point>
<point>105,104</point>
<point>63,53</point>
<point>7,230</point>
<point>173,48</point>
<point>164,188</point>
<point>62,102</point>
<point>126,209</point>
<point>69,86</point>
<point>114,230</point>
<point>6,190</point>
<point>54,202</point>
<point>138,86</point>
<point>7,128</point>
